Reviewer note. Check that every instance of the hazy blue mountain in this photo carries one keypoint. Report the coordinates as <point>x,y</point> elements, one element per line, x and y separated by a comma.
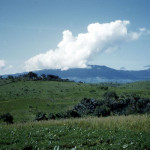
<point>95,73</point>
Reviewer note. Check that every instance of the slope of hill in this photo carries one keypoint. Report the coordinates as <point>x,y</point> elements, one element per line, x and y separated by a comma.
<point>24,99</point>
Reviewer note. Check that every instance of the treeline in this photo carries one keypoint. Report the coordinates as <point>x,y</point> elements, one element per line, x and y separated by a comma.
<point>110,105</point>
<point>34,77</point>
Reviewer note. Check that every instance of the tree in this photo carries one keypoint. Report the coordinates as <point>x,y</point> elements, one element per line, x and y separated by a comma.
<point>32,75</point>
<point>52,77</point>
<point>43,76</point>
<point>10,77</point>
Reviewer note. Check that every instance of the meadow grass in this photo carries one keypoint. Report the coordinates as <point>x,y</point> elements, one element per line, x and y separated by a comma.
<point>115,132</point>
<point>131,122</point>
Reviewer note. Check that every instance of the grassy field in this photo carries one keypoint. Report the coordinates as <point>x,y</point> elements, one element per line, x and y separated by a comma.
<point>23,99</point>
<point>115,132</point>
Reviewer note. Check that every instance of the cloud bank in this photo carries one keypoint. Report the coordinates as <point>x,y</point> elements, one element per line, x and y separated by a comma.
<point>2,64</point>
<point>76,51</point>
<point>6,68</point>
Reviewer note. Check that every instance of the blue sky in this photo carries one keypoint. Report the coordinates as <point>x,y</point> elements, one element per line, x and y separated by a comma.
<point>30,28</point>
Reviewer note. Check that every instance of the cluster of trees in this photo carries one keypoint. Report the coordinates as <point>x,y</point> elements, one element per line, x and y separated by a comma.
<point>33,76</point>
<point>111,105</point>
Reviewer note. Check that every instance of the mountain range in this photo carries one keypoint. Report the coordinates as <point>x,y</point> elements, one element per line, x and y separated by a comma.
<point>95,74</point>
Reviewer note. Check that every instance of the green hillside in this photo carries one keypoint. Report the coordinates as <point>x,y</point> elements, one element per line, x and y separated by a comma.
<point>23,98</point>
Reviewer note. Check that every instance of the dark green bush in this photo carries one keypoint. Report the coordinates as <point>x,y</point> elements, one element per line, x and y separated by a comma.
<point>41,116</point>
<point>104,88</point>
<point>73,113</point>
<point>110,95</point>
<point>128,105</point>
<point>102,111</point>
<point>52,116</point>
<point>89,105</point>
<point>8,118</point>
<point>60,115</point>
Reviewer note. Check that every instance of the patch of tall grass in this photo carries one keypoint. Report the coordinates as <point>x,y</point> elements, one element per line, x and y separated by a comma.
<point>131,122</point>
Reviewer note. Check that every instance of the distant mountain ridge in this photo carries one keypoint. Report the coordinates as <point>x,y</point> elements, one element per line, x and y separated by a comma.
<point>95,74</point>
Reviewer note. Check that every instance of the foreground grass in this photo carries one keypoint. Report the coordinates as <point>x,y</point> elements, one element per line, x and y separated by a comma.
<point>116,132</point>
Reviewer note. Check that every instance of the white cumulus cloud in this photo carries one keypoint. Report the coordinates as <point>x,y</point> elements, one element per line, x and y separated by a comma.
<point>76,51</point>
<point>2,64</point>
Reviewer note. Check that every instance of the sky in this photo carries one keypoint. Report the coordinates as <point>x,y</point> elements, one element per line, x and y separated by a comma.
<point>63,34</point>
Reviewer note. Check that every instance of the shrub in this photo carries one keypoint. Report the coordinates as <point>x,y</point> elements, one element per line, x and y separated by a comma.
<point>104,88</point>
<point>60,115</point>
<point>89,105</point>
<point>86,106</point>
<point>110,95</point>
<point>8,118</point>
<point>102,111</point>
<point>51,116</point>
<point>147,107</point>
<point>41,116</point>
<point>73,113</point>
